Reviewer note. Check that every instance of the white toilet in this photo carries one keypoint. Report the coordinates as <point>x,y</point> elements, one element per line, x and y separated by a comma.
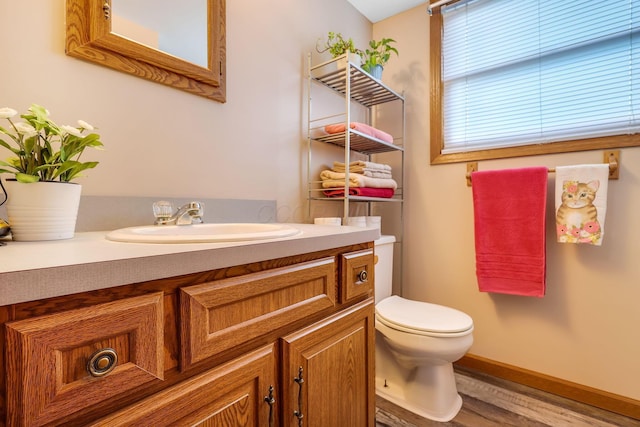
<point>416,345</point>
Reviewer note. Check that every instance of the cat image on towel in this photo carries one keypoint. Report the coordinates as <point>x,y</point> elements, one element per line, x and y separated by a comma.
<point>577,216</point>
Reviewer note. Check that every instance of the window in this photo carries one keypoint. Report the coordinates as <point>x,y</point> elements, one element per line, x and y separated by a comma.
<point>523,77</point>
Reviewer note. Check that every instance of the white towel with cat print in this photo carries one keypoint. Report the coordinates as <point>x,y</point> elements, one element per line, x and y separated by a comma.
<point>581,203</point>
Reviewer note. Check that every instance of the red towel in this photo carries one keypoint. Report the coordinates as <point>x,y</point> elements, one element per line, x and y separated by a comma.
<point>361,191</point>
<point>509,208</point>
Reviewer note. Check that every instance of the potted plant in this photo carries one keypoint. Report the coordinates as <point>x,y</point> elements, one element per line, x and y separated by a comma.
<point>337,45</point>
<point>377,55</point>
<point>46,158</point>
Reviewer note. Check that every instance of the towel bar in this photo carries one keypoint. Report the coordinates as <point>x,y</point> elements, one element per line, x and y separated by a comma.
<point>611,156</point>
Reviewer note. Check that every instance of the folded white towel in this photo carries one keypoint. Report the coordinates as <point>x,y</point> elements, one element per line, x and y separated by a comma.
<point>360,164</point>
<point>374,173</point>
<point>331,179</point>
<point>581,203</point>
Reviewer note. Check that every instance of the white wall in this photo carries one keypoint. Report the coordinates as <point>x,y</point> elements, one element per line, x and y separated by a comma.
<point>164,142</point>
<point>585,329</point>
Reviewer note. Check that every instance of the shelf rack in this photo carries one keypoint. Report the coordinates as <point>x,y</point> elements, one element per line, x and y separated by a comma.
<point>349,80</point>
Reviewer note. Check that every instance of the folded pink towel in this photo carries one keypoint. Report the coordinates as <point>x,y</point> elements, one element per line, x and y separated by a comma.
<point>509,207</point>
<point>361,127</point>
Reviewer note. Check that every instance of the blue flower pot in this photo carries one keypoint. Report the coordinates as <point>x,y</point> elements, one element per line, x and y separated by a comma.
<point>375,71</point>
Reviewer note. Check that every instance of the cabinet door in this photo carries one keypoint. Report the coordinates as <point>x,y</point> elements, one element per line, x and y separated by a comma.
<point>232,395</point>
<point>64,363</point>
<point>223,314</point>
<point>328,371</point>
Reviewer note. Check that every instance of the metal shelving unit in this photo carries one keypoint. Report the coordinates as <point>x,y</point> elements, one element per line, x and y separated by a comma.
<point>358,88</point>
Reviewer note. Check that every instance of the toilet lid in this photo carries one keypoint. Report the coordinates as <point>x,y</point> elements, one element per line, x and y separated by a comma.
<point>403,314</point>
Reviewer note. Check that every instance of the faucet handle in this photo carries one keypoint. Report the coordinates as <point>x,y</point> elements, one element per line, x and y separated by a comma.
<point>162,210</point>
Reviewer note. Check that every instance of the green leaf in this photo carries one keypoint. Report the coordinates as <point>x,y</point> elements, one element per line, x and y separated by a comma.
<point>23,177</point>
<point>71,168</point>
<point>9,147</point>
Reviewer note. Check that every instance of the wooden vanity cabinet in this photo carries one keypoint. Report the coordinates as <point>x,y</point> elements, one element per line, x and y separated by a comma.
<point>217,348</point>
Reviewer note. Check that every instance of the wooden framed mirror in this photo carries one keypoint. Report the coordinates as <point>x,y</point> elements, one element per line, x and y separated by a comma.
<point>92,35</point>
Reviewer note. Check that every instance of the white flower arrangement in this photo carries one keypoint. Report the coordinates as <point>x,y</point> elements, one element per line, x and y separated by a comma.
<point>44,151</point>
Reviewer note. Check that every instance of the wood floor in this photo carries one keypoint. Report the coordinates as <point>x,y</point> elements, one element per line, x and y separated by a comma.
<point>489,402</point>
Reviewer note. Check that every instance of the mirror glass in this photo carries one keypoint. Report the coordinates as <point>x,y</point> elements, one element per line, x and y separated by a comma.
<point>179,31</point>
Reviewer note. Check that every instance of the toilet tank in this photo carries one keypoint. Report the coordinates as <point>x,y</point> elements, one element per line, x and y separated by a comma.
<point>383,248</point>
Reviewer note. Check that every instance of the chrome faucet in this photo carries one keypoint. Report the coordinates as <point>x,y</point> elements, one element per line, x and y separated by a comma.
<point>191,213</point>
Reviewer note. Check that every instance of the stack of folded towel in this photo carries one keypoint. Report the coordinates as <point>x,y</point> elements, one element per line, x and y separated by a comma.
<point>365,179</point>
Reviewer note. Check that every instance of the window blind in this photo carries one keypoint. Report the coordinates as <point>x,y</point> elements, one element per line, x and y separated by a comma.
<point>519,72</point>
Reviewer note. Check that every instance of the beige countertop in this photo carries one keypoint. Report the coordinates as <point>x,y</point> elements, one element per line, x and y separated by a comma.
<point>35,270</point>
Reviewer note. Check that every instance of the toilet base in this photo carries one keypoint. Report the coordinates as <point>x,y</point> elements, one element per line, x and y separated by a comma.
<point>418,410</point>
<point>428,390</point>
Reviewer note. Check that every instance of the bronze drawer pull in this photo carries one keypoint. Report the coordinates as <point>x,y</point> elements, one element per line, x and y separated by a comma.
<point>298,412</point>
<point>102,362</point>
<point>363,276</point>
<point>270,400</point>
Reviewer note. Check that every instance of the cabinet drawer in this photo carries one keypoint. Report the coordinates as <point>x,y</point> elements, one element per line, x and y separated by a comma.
<point>48,358</point>
<point>223,314</point>
<point>234,394</point>
<point>357,275</point>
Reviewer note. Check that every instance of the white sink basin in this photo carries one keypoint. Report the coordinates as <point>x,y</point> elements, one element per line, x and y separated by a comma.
<point>202,233</point>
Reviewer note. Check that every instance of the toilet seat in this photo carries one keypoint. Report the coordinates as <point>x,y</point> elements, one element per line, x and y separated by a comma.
<point>422,318</point>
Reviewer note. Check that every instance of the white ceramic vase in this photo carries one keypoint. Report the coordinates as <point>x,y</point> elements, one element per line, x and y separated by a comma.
<point>42,210</point>
<point>352,57</point>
